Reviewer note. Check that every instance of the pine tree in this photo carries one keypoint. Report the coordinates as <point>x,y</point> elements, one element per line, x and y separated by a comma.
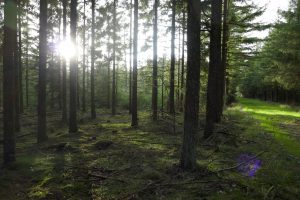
<point>134,119</point>
<point>73,72</point>
<point>64,67</point>
<point>191,118</point>
<point>213,101</point>
<point>93,109</point>
<point>9,42</point>
<point>154,75</point>
<point>172,68</point>
<point>42,124</point>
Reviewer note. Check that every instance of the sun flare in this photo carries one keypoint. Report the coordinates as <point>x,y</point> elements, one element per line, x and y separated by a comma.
<point>66,49</point>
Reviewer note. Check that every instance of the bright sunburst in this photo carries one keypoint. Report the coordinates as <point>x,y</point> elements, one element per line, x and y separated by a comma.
<point>66,49</point>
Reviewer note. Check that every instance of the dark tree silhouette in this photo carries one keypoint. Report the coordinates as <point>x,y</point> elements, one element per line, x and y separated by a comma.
<point>9,42</point>
<point>188,154</point>
<point>64,67</point>
<point>42,124</point>
<point>172,68</point>
<point>154,75</point>
<point>130,65</point>
<point>134,116</point>
<point>73,72</point>
<point>83,59</point>
<point>93,109</point>
<point>113,95</point>
<point>215,68</point>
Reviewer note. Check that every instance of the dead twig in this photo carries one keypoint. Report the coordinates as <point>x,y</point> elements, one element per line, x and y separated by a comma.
<point>240,164</point>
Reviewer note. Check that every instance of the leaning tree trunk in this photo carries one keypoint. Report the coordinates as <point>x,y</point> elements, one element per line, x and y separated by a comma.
<point>191,118</point>
<point>154,75</point>
<point>42,134</point>
<point>134,116</point>
<point>172,68</point>
<point>215,68</point>
<point>93,109</point>
<point>73,72</point>
<point>64,67</point>
<point>9,42</point>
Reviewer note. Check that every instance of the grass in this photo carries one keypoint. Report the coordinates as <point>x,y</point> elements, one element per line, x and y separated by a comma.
<point>109,160</point>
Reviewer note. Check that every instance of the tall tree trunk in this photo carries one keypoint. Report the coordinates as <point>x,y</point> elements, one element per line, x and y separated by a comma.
<point>20,59</point>
<point>73,72</point>
<point>17,79</point>
<point>178,69</point>
<point>83,60</point>
<point>191,118</point>
<point>42,133</point>
<point>93,109</point>
<point>154,75</point>
<point>27,58</point>
<point>215,68</point>
<point>10,28</point>
<point>222,79</point>
<point>130,65</point>
<point>182,62</point>
<point>134,115</point>
<point>113,95</point>
<point>59,99</point>
<point>172,68</point>
<point>64,66</point>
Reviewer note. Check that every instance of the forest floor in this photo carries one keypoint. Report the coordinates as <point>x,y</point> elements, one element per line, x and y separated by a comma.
<point>255,154</point>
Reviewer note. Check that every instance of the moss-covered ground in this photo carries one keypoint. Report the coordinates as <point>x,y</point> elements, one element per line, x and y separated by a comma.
<point>107,159</point>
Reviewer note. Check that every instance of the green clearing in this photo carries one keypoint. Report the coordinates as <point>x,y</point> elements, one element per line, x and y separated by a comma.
<point>108,159</point>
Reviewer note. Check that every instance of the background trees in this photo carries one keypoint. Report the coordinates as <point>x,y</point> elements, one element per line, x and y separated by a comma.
<point>112,80</point>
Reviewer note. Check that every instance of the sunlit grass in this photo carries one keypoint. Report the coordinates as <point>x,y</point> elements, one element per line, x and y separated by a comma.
<point>270,116</point>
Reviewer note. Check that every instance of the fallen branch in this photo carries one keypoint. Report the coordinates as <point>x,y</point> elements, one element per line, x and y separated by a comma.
<point>240,164</point>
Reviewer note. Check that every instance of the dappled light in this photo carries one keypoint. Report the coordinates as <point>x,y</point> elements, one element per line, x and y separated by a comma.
<point>148,100</point>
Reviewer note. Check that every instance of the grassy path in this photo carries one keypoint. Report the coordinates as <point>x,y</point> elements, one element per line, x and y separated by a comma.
<point>280,120</point>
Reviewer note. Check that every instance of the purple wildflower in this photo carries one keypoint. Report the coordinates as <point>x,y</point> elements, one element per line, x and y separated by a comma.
<point>248,164</point>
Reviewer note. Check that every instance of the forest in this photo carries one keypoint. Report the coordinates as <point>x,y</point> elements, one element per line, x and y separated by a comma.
<point>149,99</point>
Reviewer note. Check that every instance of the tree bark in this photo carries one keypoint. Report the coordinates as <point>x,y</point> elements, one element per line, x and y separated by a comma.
<point>191,118</point>
<point>73,72</point>
<point>134,116</point>
<point>83,59</point>
<point>154,73</point>
<point>182,63</point>
<point>222,79</point>
<point>215,68</point>
<point>113,95</point>
<point>21,101</point>
<point>130,65</point>
<point>172,68</point>
<point>64,66</point>
<point>93,109</point>
<point>42,132</point>
<point>10,28</point>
